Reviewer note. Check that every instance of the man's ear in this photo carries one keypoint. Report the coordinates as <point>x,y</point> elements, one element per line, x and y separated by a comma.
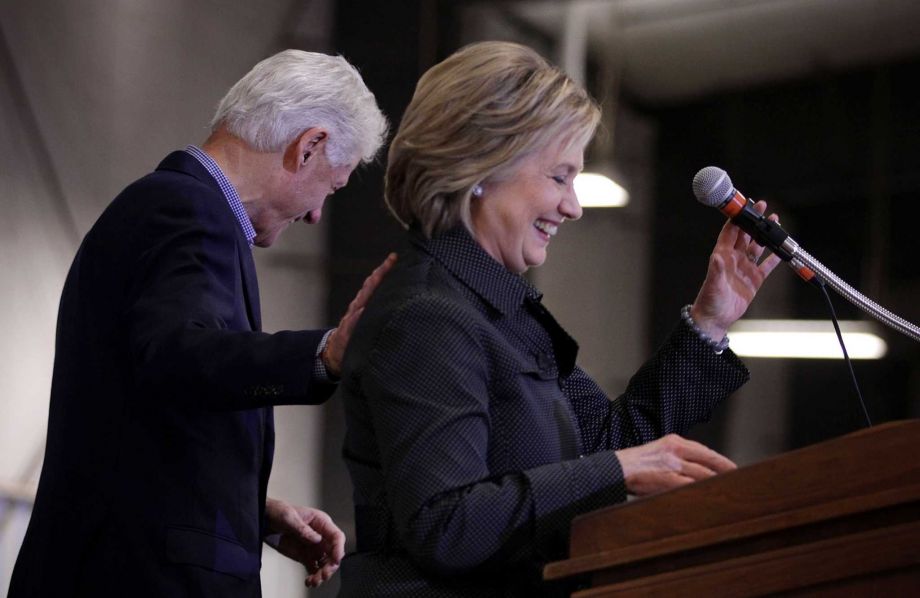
<point>307,145</point>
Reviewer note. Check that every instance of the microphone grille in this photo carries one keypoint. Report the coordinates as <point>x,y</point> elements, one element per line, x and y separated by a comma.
<point>712,187</point>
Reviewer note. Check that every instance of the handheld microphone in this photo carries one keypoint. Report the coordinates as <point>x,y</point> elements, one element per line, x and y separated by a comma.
<point>713,187</point>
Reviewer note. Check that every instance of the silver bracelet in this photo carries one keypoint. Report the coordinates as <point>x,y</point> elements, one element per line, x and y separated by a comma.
<point>718,347</point>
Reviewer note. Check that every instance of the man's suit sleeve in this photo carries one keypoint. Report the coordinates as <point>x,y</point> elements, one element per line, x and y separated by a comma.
<point>189,334</point>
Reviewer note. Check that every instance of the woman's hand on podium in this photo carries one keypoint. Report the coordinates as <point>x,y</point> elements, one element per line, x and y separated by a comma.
<point>669,462</point>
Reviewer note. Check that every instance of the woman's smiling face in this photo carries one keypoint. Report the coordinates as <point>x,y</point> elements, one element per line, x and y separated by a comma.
<point>517,214</point>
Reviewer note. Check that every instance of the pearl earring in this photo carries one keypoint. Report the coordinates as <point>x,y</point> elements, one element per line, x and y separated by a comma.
<point>477,191</point>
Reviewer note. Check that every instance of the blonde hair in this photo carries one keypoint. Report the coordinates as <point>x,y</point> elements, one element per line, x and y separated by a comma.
<point>473,116</point>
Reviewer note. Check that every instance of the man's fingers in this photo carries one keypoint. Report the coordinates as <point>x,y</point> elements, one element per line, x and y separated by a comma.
<point>338,548</point>
<point>334,544</point>
<point>370,285</point>
<point>297,525</point>
<point>292,519</point>
<point>335,348</point>
<point>373,281</point>
<point>328,571</point>
<point>310,535</point>
<point>381,270</point>
<point>333,538</point>
<point>348,322</point>
<point>316,578</point>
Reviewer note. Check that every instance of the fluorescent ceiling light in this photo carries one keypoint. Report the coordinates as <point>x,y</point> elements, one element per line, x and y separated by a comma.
<point>597,191</point>
<point>805,339</point>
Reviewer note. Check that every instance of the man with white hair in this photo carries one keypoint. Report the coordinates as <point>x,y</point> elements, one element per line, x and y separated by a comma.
<point>160,432</point>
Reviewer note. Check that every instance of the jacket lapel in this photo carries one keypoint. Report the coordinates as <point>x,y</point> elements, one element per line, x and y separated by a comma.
<point>184,162</point>
<point>250,286</point>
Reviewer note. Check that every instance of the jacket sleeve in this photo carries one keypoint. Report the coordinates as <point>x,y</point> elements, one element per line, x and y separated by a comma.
<point>676,388</point>
<point>188,332</point>
<point>427,385</point>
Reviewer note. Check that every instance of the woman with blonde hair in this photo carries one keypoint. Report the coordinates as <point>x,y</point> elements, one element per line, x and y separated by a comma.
<point>473,438</point>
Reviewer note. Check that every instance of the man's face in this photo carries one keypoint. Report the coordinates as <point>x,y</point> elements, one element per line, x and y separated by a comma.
<point>299,195</point>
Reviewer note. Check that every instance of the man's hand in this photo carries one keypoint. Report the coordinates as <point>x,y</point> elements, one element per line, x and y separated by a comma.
<point>308,536</point>
<point>338,340</point>
<point>669,462</point>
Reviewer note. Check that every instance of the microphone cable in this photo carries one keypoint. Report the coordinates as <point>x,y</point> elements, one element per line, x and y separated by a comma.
<point>819,282</point>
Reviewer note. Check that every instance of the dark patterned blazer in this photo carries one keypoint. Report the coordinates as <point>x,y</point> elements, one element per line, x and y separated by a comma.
<point>160,431</point>
<point>472,437</point>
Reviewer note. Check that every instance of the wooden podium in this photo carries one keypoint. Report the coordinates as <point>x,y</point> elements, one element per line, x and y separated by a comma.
<point>838,518</point>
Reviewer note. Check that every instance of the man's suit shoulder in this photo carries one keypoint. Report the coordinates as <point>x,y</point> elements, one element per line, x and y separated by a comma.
<point>165,200</point>
<point>169,189</point>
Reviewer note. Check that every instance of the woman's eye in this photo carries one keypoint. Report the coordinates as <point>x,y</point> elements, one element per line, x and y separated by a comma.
<point>559,179</point>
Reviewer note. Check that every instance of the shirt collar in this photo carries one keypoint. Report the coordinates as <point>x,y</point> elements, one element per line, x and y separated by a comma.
<point>457,251</point>
<point>229,191</point>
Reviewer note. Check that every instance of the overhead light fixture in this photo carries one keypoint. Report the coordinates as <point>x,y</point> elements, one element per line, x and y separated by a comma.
<point>805,339</point>
<point>598,191</point>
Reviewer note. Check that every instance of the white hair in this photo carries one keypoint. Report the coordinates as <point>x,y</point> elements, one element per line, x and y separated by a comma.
<point>292,91</point>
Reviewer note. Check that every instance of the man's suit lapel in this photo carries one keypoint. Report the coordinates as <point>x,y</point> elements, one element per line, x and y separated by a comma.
<point>250,286</point>
<point>184,162</point>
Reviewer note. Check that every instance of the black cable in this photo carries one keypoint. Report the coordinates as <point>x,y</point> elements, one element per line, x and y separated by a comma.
<point>846,356</point>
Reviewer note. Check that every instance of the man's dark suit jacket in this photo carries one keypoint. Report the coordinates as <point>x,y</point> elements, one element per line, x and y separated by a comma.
<point>160,431</point>
<point>472,437</point>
